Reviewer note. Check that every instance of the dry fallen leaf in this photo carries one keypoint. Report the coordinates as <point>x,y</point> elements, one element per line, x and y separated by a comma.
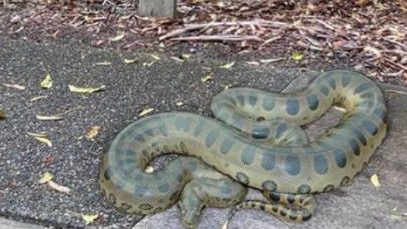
<point>375,180</point>
<point>85,89</point>
<point>3,115</point>
<point>297,55</point>
<point>149,64</point>
<point>92,132</point>
<point>186,56</point>
<point>44,140</point>
<point>206,78</point>
<point>228,65</point>
<point>42,134</point>
<point>155,57</point>
<point>48,117</point>
<point>177,59</point>
<point>146,111</point>
<point>58,187</point>
<point>38,98</point>
<point>15,86</point>
<point>104,63</point>
<point>46,177</point>
<point>89,218</point>
<point>117,38</point>
<point>179,103</point>
<point>46,82</point>
<point>131,61</point>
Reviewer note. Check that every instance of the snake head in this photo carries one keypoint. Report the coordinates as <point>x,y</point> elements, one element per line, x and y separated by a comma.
<point>190,212</point>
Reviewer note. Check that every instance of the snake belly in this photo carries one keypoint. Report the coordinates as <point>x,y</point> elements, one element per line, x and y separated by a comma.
<point>329,162</point>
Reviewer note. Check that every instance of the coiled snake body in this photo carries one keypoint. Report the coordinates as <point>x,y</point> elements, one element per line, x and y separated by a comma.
<point>253,144</point>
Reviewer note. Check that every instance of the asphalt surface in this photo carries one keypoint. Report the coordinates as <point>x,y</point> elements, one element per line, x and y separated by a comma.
<point>164,84</point>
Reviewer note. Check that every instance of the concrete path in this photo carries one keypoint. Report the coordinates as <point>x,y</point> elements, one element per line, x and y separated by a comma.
<point>165,84</point>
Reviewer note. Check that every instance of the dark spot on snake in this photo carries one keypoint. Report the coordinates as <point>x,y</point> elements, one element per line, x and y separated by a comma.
<point>290,198</point>
<point>354,146</point>
<point>321,164</point>
<point>269,185</point>
<point>140,190</point>
<point>292,165</point>
<point>149,132</point>
<point>145,207</point>
<point>345,181</point>
<point>260,118</point>
<point>111,198</point>
<point>292,106</point>
<point>183,147</point>
<point>125,207</point>
<point>155,146</point>
<point>301,199</point>
<point>275,197</point>
<point>281,128</point>
<point>260,132</point>
<point>247,155</point>
<point>328,188</point>
<point>242,178</point>
<point>283,212</point>
<point>163,129</point>
<point>262,207</point>
<point>139,137</point>
<point>340,158</point>
<point>106,174</point>
<point>312,101</point>
<point>199,128</point>
<point>164,187</point>
<point>324,90</point>
<point>306,216</point>
<point>268,161</point>
<point>345,80</point>
<point>332,83</point>
<point>293,217</point>
<point>362,87</point>
<point>211,138</point>
<point>252,100</point>
<point>359,136</point>
<point>240,98</point>
<point>370,127</point>
<point>304,189</point>
<point>274,209</point>
<point>226,145</point>
<point>268,104</point>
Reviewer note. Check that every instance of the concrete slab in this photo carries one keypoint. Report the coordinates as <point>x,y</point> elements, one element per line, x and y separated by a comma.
<point>12,224</point>
<point>160,84</point>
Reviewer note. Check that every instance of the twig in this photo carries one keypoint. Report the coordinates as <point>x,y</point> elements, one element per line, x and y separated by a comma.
<point>395,42</point>
<point>391,62</point>
<point>190,27</point>
<point>217,38</point>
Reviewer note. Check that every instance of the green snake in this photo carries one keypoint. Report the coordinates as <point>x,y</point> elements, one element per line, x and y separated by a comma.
<point>254,142</point>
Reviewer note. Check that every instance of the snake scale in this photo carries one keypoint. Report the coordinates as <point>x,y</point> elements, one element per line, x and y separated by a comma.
<point>254,142</point>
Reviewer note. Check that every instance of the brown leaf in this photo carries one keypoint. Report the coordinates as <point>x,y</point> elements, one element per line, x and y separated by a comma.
<point>92,132</point>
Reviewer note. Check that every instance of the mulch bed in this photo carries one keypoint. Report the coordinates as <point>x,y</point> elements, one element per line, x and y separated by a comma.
<point>373,33</point>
